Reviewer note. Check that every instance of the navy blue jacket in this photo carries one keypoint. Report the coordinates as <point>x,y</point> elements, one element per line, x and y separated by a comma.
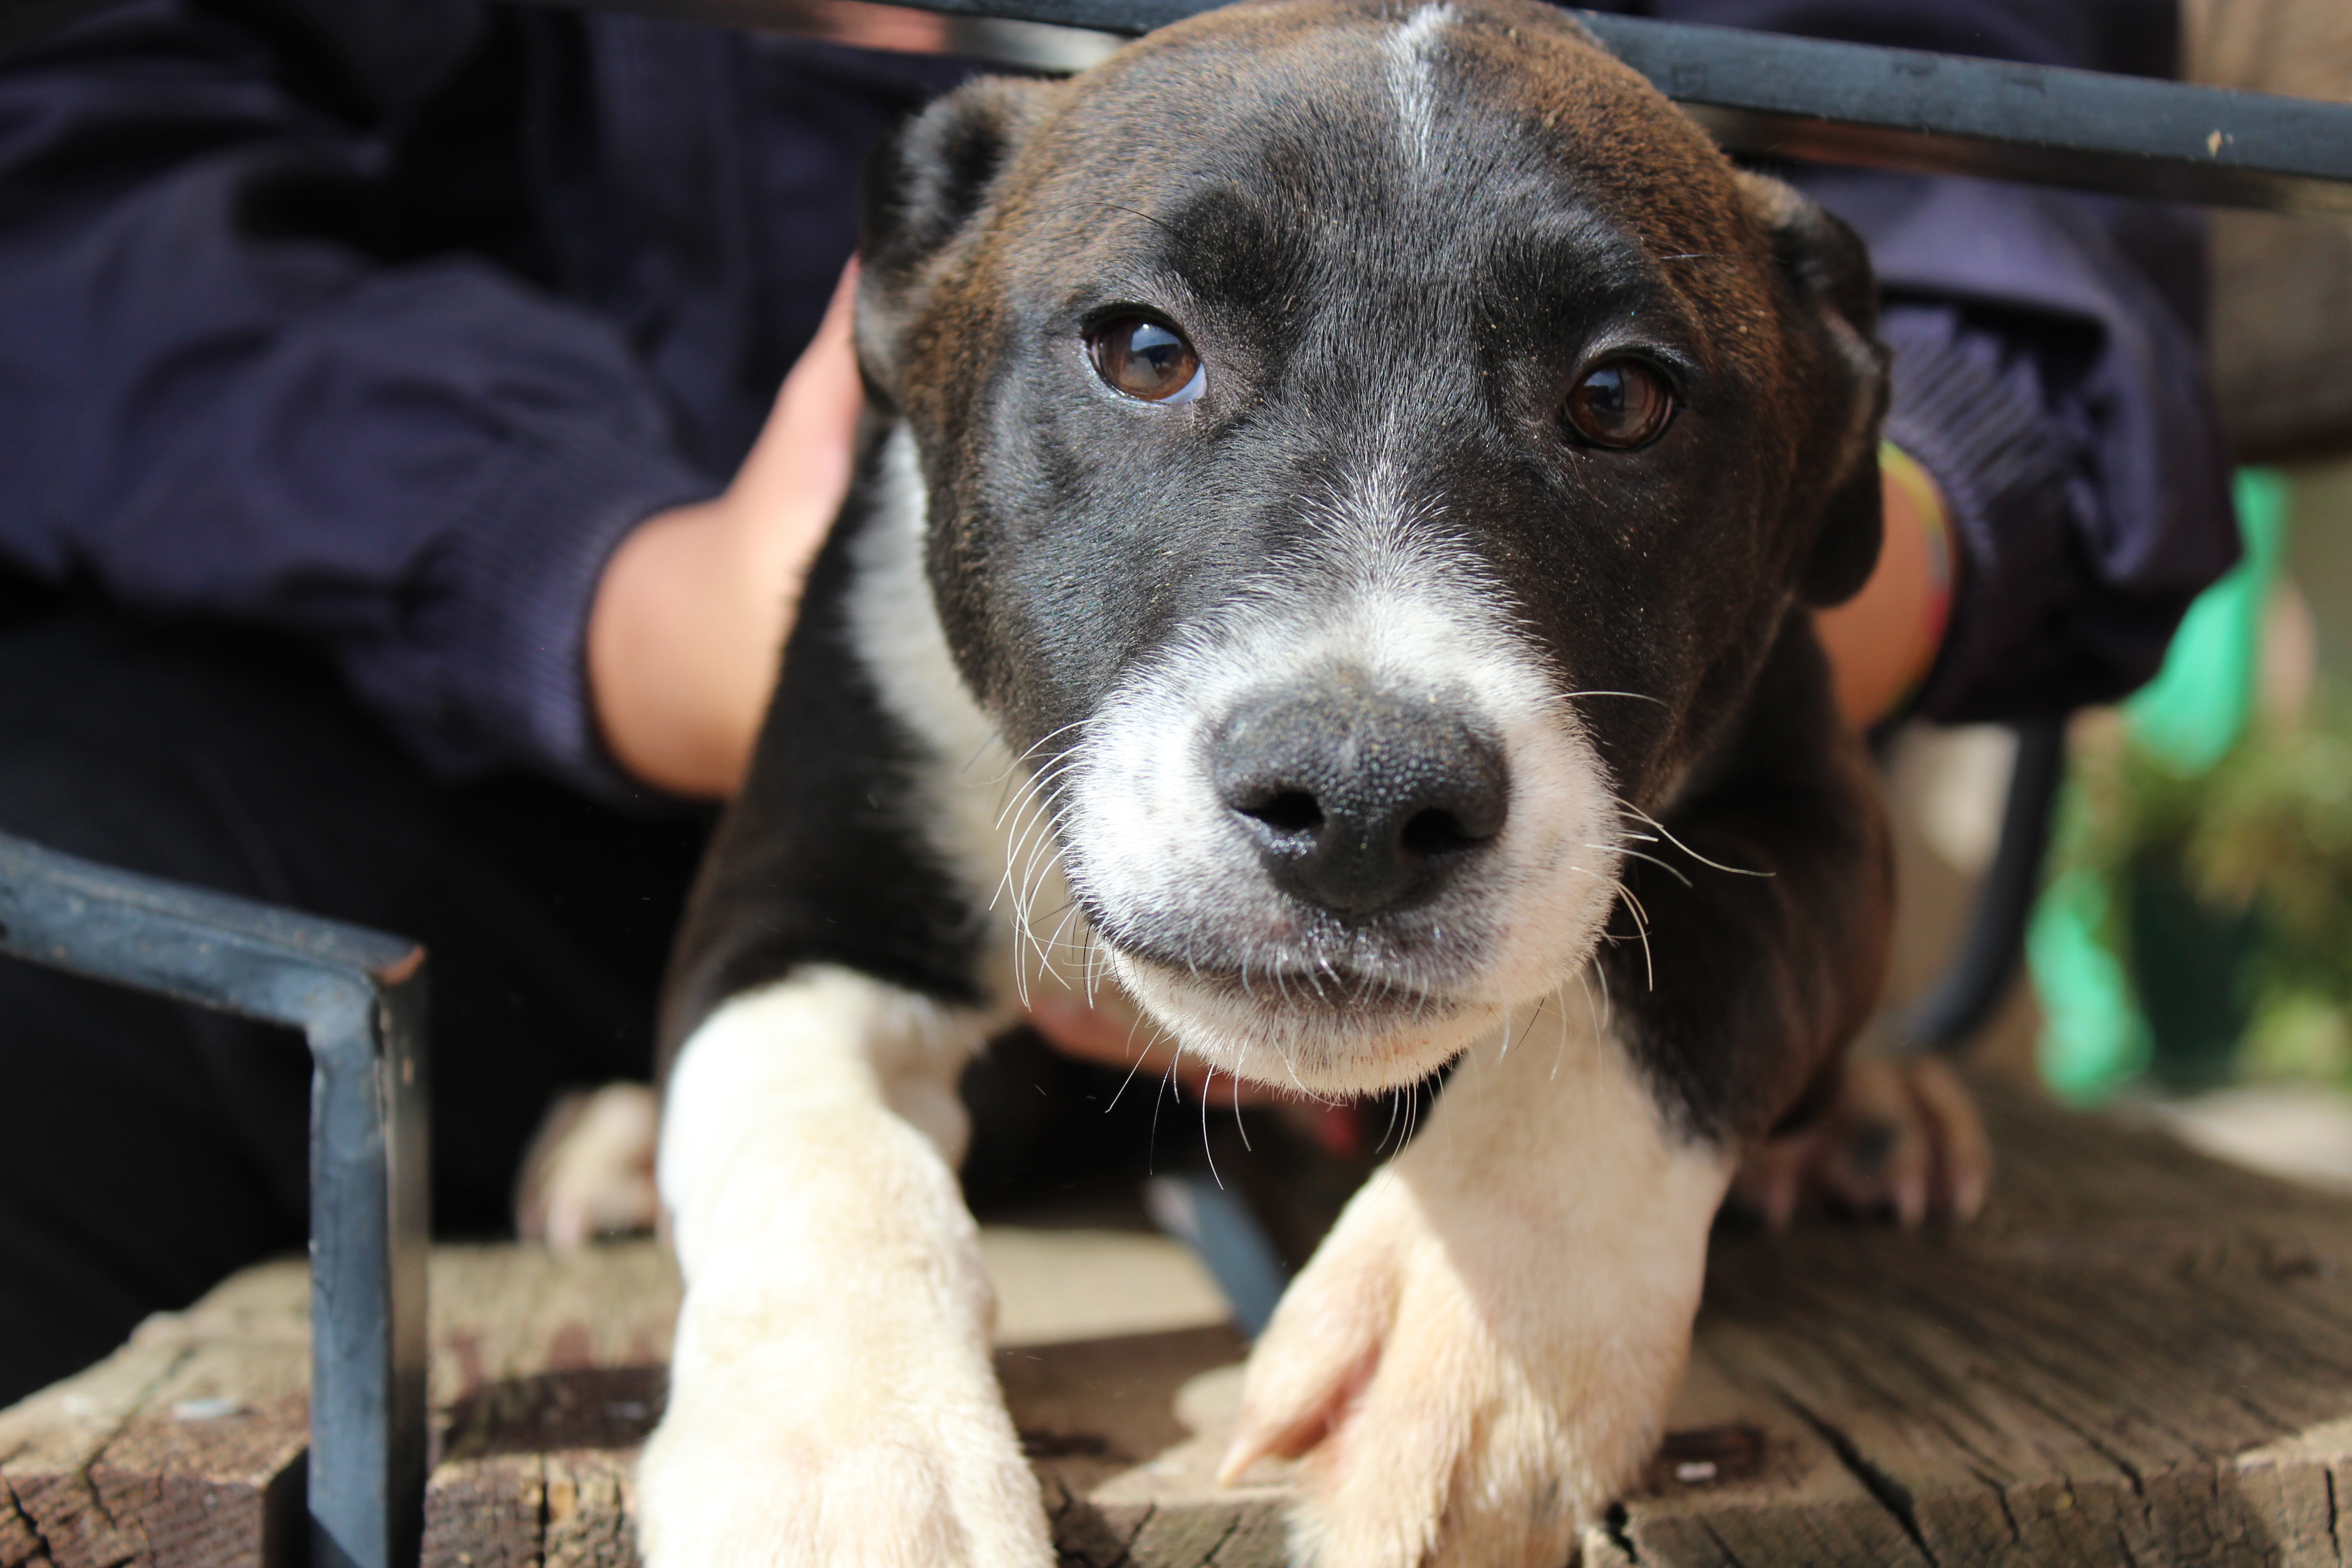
<point>383,321</point>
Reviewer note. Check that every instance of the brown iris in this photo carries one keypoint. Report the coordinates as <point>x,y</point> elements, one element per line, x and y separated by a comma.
<point>1620,405</point>
<point>1146,359</point>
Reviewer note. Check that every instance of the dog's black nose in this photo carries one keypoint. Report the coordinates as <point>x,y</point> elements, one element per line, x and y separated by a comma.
<point>1362,803</point>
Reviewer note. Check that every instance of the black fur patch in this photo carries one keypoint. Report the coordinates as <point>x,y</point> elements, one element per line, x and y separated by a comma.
<point>823,860</point>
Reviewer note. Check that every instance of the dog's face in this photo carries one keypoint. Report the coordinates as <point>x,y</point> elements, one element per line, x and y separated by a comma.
<point>1368,452</point>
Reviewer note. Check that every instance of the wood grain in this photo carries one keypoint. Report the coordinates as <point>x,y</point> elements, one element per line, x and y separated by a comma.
<point>183,1447</point>
<point>2139,1356</point>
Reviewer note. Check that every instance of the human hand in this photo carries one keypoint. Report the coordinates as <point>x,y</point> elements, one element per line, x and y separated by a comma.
<point>689,620</point>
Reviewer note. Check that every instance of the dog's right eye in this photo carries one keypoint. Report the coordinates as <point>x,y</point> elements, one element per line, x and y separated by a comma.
<point>1147,359</point>
<point>1618,405</point>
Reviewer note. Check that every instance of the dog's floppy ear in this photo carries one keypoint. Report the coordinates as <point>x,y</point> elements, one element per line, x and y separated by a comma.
<point>1828,269</point>
<point>926,181</point>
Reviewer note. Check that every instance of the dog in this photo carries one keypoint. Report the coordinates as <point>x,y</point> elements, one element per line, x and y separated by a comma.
<point>1342,495</point>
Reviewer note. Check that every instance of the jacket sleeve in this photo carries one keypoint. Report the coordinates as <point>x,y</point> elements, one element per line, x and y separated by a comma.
<point>2048,370</point>
<point>2060,402</point>
<point>213,402</point>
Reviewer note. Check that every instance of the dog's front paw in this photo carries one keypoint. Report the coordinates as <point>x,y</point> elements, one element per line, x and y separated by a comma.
<point>1902,1137</point>
<point>787,1464</point>
<point>589,1168</point>
<point>1467,1388</point>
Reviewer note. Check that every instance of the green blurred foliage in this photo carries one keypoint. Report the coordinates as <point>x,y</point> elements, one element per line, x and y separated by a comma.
<point>2237,922</point>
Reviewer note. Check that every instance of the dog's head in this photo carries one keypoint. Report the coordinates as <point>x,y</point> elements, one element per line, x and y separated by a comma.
<point>1369,449</point>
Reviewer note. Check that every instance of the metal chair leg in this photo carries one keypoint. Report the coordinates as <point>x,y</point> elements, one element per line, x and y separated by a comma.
<point>358,997</point>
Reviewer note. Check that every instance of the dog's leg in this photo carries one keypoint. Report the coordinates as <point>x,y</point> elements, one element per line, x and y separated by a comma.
<point>832,1396</point>
<point>1481,1354</point>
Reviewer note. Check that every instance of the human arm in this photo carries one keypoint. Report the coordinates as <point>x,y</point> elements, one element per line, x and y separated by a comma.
<point>1883,642</point>
<point>228,397</point>
<point>689,617</point>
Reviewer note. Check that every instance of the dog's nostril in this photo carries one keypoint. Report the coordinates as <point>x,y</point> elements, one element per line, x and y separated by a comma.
<point>1434,833</point>
<point>1291,811</point>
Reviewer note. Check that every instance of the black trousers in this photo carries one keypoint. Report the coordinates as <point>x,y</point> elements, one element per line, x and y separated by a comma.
<point>148,1149</point>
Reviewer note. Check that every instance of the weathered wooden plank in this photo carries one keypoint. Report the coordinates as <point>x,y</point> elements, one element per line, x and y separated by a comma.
<point>2100,1373</point>
<point>548,1375</point>
<point>49,1511</point>
<point>185,1448</point>
<point>2138,1356</point>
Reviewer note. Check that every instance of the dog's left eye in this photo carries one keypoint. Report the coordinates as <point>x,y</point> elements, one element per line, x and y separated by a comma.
<point>1621,404</point>
<point>1147,359</point>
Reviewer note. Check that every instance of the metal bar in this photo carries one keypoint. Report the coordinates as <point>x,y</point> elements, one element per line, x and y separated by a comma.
<point>1905,108</point>
<point>1972,987</point>
<point>359,998</point>
<point>1761,93</point>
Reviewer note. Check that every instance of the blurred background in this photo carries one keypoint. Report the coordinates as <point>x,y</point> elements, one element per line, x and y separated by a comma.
<point>2190,954</point>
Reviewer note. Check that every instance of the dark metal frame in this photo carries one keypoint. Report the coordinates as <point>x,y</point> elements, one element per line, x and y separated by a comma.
<point>1762,94</point>
<point>359,995</point>
<point>359,998</point>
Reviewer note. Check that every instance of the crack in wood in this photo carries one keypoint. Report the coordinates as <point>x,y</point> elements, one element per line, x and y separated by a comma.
<point>2000,1491</point>
<point>42,1551</point>
<point>1232,1525</point>
<point>1125,1556</point>
<point>75,1490</point>
<point>1721,1545</point>
<point>1889,1492</point>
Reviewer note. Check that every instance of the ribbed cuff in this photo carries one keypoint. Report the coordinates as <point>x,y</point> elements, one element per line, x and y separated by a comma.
<point>529,547</point>
<point>1974,417</point>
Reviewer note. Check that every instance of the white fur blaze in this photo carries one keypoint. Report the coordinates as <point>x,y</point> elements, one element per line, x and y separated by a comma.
<point>831,1398</point>
<point>1411,77</point>
<point>1481,1354</point>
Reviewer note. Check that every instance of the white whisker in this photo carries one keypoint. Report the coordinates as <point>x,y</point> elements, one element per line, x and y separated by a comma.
<point>1653,860</point>
<point>1717,865</point>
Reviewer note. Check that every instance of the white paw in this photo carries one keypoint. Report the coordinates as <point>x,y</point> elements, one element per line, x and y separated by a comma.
<point>1480,1355</point>
<point>833,1401</point>
<point>828,1449</point>
<point>590,1171</point>
<point>1447,1416</point>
